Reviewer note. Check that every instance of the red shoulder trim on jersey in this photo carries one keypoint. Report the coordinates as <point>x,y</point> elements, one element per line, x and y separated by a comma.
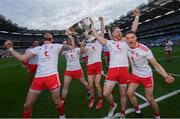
<point>143,47</point>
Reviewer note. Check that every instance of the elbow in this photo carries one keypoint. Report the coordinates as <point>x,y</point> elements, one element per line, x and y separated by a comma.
<point>22,59</point>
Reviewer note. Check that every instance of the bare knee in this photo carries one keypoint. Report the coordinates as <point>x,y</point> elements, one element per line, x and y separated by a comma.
<point>65,86</point>
<point>130,93</point>
<point>91,86</point>
<point>97,85</point>
<point>150,98</point>
<point>106,94</point>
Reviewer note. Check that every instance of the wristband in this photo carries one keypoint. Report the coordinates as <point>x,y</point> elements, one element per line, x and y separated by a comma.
<point>136,17</point>
<point>10,49</point>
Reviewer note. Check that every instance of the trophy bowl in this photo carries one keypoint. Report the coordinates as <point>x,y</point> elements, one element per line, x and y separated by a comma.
<point>82,29</point>
<point>81,26</point>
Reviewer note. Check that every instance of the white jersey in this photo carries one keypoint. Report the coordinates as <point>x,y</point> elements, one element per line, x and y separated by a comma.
<point>139,57</point>
<point>105,48</point>
<point>47,59</point>
<point>72,58</point>
<point>118,53</point>
<point>168,46</point>
<point>33,60</point>
<point>94,50</point>
<point>83,55</point>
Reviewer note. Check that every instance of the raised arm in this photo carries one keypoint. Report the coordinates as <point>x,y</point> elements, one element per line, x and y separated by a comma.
<point>102,26</point>
<point>69,34</point>
<point>168,78</point>
<point>9,45</point>
<point>83,48</point>
<point>136,13</point>
<point>102,40</point>
<point>109,33</point>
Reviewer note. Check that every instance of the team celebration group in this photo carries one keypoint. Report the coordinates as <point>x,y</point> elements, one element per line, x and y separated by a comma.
<point>121,51</point>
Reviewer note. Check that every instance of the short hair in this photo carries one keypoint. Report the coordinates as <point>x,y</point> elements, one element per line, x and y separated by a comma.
<point>35,40</point>
<point>114,29</point>
<point>48,36</point>
<point>130,32</point>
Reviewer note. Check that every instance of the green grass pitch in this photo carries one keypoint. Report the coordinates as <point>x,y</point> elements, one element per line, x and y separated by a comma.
<point>14,85</point>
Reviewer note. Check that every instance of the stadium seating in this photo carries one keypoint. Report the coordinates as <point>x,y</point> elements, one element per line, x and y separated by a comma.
<point>159,20</point>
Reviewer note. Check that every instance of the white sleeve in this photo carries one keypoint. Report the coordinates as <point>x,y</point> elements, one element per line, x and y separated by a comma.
<point>171,43</point>
<point>59,46</point>
<point>78,50</point>
<point>108,44</point>
<point>34,50</point>
<point>26,51</point>
<point>149,54</point>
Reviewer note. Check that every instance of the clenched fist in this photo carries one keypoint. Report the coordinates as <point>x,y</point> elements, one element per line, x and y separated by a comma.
<point>8,44</point>
<point>169,79</point>
<point>136,12</point>
<point>100,19</point>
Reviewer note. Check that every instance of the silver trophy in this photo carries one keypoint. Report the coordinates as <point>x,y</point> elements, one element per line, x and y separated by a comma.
<point>82,30</point>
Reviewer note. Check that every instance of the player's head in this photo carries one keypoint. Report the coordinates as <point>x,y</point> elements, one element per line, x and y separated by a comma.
<point>35,43</point>
<point>116,33</point>
<point>76,40</point>
<point>131,39</point>
<point>48,37</point>
<point>65,42</point>
<point>167,40</point>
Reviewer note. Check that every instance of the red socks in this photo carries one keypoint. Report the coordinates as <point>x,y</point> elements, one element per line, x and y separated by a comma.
<point>61,108</point>
<point>27,114</point>
<point>112,103</point>
<point>100,98</point>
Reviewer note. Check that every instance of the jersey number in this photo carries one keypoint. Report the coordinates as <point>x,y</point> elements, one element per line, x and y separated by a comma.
<point>132,58</point>
<point>46,54</point>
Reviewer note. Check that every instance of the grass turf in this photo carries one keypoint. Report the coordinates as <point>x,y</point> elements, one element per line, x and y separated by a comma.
<point>15,84</point>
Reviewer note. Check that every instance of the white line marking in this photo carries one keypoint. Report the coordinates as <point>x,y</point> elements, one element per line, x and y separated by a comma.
<point>140,96</point>
<point>165,58</point>
<point>130,110</point>
<point>169,73</point>
<point>103,74</point>
<point>177,75</point>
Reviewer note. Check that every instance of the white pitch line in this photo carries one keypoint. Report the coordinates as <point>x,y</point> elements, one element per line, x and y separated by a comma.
<point>177,75</point>
<point>165,58</point>
<point>140,96</point>
<point>130,110</point>
<point>103,74</point>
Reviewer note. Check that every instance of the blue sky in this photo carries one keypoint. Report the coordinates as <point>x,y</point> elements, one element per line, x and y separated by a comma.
<point>61,14</point>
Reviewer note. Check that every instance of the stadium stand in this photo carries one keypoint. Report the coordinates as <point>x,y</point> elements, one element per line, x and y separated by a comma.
<point>22,37</point>
<point>159,20</point>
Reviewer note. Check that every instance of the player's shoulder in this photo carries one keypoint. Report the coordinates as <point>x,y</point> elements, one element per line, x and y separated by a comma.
<point>143,47</point>
<point>56,44</point>
<point>36,48</point>
<point>77,48</point>
<point>111,41</point>
<point>28,49</point>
